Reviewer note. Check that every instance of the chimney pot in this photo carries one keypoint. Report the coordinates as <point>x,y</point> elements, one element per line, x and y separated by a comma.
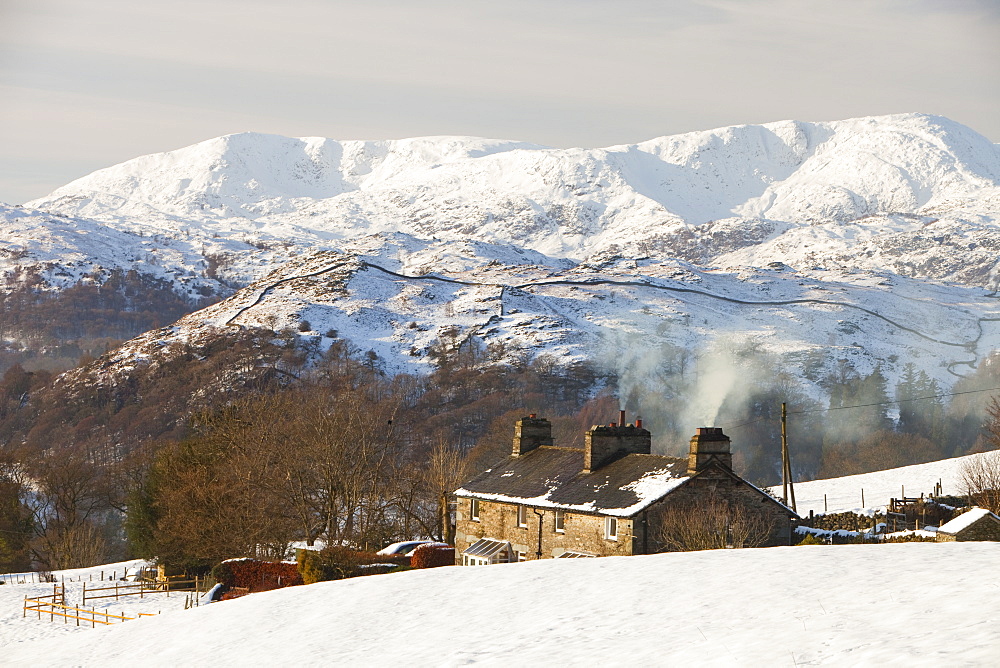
<point>638,422</point>
<point>621,418</point>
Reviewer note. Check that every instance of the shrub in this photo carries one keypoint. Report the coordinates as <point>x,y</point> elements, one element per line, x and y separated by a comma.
<point>255,575</point>
<point>332,563</point>
<point>223,574</point>
<point>336,563</point>
<point>433,555</point>
<point>811,540</point>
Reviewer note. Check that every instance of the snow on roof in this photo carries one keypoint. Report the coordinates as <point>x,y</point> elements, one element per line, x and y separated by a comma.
<point>552,477</point>
<point>965,520</point>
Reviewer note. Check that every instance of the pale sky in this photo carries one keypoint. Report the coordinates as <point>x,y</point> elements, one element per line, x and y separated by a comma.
<point>87,84</point>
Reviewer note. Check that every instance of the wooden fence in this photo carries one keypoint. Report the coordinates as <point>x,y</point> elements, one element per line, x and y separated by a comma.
<point>53,608</point>
<point>30,577</point>
<point>33,577</point>
<point>197,585</point>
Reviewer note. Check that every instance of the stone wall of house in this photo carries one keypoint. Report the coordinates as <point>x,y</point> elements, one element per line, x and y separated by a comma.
<point>715,483</point>
<point>583,532</point>
<point>986,528</point>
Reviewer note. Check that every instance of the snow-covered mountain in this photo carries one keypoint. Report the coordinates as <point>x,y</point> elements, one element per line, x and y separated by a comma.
<point>774,188</point>
<point>872,240</point>
<point>647,321</point>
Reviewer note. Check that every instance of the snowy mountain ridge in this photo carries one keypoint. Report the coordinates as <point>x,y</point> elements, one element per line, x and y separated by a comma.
<point>871,240</point>
<point>561,202</point>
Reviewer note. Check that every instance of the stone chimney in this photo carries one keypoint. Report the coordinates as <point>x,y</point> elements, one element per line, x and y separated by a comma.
<point>531,432</point>
<point>709,444</point>
<point>606,444</point>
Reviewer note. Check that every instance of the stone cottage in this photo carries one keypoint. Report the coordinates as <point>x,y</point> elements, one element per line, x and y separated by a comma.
<point>546,501</point>
<point>974,524</point>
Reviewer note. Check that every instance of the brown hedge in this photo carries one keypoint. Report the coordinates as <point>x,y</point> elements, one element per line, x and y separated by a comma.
<point>256,575</point>
<point>432,556</point>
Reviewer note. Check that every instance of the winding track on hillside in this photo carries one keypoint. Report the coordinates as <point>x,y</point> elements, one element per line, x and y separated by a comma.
<point>969,346</point>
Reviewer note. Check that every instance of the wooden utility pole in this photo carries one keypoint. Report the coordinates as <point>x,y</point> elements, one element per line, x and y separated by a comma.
<point>784,458</point>
<point>787,487</point>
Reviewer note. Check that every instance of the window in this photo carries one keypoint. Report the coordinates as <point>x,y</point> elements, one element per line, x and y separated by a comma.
<point>522,517</point>
<point>611,528</point>
<point>560,521</point>
<point>474,510</point>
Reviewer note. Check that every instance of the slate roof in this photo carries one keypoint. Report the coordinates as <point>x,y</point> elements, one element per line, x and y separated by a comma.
<point>553,477</point>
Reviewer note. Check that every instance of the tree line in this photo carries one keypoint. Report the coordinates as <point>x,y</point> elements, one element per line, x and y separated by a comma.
<point>41,328</point>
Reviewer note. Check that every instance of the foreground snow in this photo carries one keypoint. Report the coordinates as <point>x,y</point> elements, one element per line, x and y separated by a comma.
<point>844,494</point>
<point>912,604</point>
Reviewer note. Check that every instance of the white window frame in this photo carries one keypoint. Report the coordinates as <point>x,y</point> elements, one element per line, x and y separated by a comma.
<point>559,522</point>
<point>474,510</point>
<point>521,556</point>
<point>522,517</point>
<point>611,528</point>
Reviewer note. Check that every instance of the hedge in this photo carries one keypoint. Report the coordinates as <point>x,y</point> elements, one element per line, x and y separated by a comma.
<point>433,555</point>
<point>256,575</point>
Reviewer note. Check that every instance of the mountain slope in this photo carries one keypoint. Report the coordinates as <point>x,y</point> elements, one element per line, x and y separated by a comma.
<point>650,323</point>
<point>865,242</point>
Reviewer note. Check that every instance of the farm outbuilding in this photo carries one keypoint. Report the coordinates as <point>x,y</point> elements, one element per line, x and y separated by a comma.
<point>974,524</point>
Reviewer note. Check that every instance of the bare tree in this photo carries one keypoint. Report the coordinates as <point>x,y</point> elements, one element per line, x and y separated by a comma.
<point>447,468</point>
<point>709,524</point>
<point>70,508</point>
<point>992,425</point>
<point>980,480</point>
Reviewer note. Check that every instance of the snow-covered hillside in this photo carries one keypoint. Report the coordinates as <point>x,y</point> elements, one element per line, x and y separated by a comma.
<point>871,240</point>
<point>641,320</point>
<point>844,494</point>
<point>909,604</point>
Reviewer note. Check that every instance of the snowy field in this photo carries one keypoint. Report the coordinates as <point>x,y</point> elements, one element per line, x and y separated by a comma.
<point>913,604</point>
<point>844,494</point>
<point>15,628</point>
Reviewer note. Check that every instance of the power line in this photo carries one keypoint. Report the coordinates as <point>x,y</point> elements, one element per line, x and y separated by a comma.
<point>881,403</point>
<point>897,401</point>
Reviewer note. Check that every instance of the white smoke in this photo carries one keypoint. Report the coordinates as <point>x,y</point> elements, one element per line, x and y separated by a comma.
<point>678,390</point>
